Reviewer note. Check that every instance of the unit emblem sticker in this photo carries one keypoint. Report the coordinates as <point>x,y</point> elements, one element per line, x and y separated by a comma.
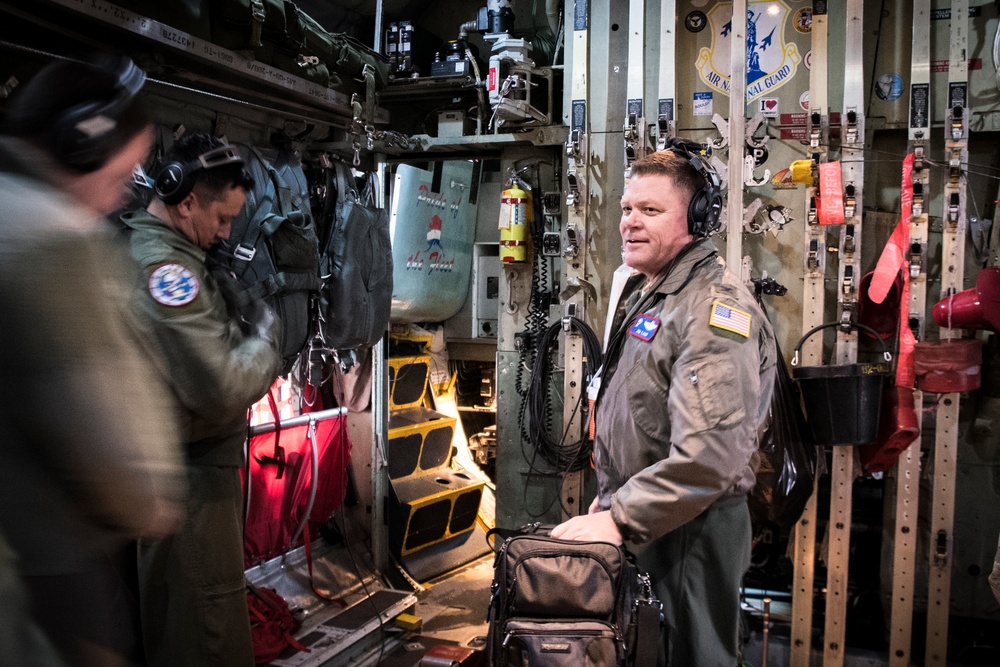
<point>173,285</point>
<point>696,21</point>
<point>771,61</point>
<point>645,327</point>
<point>803,20</point>
<point>889,87</point>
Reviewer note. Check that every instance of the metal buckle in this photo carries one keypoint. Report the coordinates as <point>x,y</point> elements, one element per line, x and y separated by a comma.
<point>244,253</point>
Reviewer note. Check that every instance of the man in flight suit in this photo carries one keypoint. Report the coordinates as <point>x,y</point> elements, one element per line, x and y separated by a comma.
<point>91,458</point>
<point>685,386</point>
<point>192,594</point>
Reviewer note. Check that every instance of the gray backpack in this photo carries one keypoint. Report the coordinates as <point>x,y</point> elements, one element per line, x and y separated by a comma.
<point>356,265</point>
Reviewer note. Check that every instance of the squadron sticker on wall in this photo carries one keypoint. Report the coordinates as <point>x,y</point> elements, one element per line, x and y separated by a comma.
<point>771,62</point>
<point>433,257</point>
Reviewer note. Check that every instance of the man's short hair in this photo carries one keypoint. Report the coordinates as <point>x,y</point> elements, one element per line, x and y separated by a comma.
<point>671,164</point>
<point>212,182</point>
<point>65,91</point>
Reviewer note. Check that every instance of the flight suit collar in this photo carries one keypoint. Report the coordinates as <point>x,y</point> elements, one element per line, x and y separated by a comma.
<point>144,219</point>
<point>691,257</point>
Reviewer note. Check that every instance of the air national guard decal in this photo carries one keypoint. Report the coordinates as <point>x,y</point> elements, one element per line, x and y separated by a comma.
<point>173,285</point>
<point>771,62</point>
<point>730,319</point>
<point>645,327</point>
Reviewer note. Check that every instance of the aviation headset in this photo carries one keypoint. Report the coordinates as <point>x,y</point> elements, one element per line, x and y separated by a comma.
<point>82,137</point>
<point>706,202</point>
<point>176,179</point>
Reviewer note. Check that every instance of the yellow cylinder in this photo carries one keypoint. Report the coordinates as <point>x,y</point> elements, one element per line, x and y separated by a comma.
<point>515,209</point>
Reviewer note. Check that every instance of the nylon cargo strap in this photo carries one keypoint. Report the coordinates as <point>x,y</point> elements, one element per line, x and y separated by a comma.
<point>257,14</point>
<point>364,115</point>
<point>649,617</point>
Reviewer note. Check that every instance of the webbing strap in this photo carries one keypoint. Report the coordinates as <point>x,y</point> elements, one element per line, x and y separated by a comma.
<point>257,15</point>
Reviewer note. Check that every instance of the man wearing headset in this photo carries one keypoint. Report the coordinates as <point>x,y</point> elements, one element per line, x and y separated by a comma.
<point>686,384</point>
<point>91,457</point>
<point>192,591</point>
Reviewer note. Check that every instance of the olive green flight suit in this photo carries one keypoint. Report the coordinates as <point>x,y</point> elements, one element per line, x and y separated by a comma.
<point>686,387</point>
<point>192,594</point>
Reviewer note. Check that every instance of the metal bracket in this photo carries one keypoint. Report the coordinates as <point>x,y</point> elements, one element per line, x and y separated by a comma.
<point>748,176</point>
<point>751,129</point>
<point>722,125</point>
<point>749,214</point>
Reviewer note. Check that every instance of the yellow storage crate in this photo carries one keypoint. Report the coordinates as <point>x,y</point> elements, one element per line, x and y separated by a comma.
<point>408,380</point>
<point>419,441</point>
<point>432,507</point>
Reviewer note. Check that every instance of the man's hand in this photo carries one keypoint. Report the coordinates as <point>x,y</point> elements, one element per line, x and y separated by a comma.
<point>263,321</point>
<point>597,527</point>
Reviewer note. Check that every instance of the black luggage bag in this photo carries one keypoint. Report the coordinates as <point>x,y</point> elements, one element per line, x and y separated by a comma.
<point>562,603</point>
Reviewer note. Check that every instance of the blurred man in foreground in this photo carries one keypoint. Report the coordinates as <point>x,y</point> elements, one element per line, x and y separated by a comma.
<point>90,451</point>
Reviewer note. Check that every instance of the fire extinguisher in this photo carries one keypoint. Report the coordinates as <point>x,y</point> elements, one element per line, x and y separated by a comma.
<point>515,217</point>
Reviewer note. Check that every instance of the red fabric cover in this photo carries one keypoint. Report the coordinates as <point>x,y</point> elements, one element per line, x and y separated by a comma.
<point>948,366</point>
<point>897,428</point>
<point>975,308</point>
<point>278,505</point>
<point>882,317</point>
<point>272,625</point>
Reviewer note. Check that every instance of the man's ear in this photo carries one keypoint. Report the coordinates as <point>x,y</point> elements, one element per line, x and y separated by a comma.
<point>186,206</point>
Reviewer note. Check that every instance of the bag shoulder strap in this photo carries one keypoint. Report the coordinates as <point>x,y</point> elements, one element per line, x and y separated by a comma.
<point>346,188</point>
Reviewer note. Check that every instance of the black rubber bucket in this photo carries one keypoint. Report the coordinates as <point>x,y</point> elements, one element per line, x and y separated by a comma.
<point>842,403</point>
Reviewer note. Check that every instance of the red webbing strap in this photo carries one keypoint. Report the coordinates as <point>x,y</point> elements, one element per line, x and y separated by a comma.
<point>830,199</point>
<point>279,454</point>
<point>306,538</point>
<point>892,260</point>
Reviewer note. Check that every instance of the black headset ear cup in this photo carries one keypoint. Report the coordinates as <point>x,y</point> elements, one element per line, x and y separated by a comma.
<point>82,137</point>
<point>706,204</point>
<point>173,183</point>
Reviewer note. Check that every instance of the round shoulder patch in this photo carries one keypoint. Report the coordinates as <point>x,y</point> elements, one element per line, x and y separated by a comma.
<point>173,285</point>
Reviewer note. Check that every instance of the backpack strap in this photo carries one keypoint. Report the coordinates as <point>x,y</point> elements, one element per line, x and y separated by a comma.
<point>346,189</point>
<point>264,208</point>
<point>649,619</point>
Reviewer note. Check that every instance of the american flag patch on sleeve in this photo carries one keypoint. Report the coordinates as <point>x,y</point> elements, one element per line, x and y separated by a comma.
<point>730,319</point>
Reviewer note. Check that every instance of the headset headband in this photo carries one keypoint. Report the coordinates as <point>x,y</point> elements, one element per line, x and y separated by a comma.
<point>176,180</point>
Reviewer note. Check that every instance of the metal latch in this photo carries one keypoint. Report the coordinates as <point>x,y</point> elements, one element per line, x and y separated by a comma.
<point>850,200</point>
<point>851,134</point>
<point>848,285</point>
<point>953,206</point>
<point>815,129</point>
<point>812,261</point>
<point>916,259</point>
<point>849,245</point>
<point>957,122</point>
<point>918,198</point>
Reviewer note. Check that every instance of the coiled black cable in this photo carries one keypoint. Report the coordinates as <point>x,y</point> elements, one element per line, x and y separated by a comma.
<point>560,455</point>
